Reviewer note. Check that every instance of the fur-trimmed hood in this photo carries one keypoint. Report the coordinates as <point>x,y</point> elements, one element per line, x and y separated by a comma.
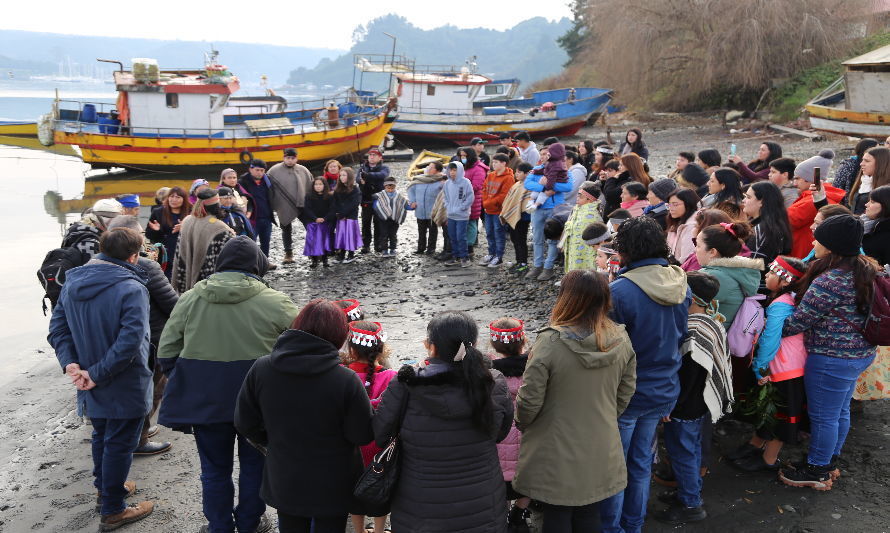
<point>737,262</point>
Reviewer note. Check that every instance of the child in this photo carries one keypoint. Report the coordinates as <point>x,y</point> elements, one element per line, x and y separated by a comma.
<point>607,261</point>
<point>344,214</point>
<point>616,217</point>
<point>781,173</point>
<point>516,220</point>
<point>316,212</point>
<point>494,190</point>
<point>422,194</point>
<point>780,360</point>
<point>332,172</point>
<point>683,159</point>
<point>705,388</point>
<point>458,200</point>
<point>352,309</point>
<point>579,254</point>
<point>634,198</point>
<point>554,171</point>
<point>367,356</point>
<point>390,209</point>
<point>508,341</point>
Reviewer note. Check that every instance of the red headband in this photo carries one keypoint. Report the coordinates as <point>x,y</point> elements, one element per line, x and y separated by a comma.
<point>784,270</point>
<point>728,228</point>
<point>366,338</point>
<point>507,335</point>
<point>352,311</point>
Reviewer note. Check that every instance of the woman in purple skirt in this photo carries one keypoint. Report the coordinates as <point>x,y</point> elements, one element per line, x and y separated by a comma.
<point>319,233</point>
<point>344,213</point>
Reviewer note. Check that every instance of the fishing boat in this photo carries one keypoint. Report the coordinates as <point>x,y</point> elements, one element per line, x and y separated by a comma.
<point>858,104</point>
<point>18,128</point>
<point>180,120</point>
<point>418,166</point>
<point>451,104</point>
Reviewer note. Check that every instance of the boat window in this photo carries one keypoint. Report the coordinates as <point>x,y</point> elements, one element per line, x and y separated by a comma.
<point>430,90</point>
<point>172,100</point>
<point>494,89</point>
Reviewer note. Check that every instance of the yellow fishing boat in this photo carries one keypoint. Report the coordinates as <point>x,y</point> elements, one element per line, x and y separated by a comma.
<point>14,128</point>
<point>425,158</point>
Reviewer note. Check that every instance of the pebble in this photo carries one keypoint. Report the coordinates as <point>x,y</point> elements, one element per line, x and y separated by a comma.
<point>836,516</point>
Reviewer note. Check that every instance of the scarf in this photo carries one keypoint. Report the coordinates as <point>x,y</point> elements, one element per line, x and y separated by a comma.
<point>426,178</point>
<point>195,236</point>
<point>331,177</point>
<point>707,347</point>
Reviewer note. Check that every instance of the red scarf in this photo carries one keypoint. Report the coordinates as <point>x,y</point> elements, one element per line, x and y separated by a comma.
<point>331,177</point>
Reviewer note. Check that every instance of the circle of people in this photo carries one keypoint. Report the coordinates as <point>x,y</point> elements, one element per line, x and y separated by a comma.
<point>641,333</point>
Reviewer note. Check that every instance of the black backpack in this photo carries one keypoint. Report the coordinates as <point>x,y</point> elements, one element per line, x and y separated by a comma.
<point>56,263</point>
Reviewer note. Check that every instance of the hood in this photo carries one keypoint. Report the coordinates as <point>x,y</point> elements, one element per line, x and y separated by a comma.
<point>243,255</point>
<point>298,352</point>
<point>427,391</point>
<point>586,349</point>
<point>460,170</point>
<point>744,270</point>
<point>665,284</point>
<point>99,275</point>
<point>557,151</point>
<point>229,287</point>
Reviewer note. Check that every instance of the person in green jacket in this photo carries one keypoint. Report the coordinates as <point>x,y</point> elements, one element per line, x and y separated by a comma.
<point>717,250</point>
<point>580,377</point>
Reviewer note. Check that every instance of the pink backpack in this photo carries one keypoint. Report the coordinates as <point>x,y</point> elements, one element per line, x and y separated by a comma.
<point>747,326</point>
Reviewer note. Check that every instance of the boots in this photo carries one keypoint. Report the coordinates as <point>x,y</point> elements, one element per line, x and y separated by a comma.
<point>314,263</point>
<point>288,258</point>
<point>324,261</point>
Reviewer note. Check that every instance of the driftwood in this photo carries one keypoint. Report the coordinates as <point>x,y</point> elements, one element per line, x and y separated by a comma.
<point>785,129</point>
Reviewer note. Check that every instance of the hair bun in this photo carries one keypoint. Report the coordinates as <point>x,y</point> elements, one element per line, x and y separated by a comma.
<point>827,154</point>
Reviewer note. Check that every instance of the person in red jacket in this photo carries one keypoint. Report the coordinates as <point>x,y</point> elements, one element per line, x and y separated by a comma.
<point>494,189</point>
<point>803,210</point>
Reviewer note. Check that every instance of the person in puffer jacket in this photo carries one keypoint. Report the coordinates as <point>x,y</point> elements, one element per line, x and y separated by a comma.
<point>508,341</point>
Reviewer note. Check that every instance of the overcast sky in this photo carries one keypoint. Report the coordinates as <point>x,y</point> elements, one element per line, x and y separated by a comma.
<point>295,23</point>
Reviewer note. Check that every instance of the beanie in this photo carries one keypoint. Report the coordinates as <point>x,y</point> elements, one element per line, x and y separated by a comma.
<point>695,175</point>
<point>225,192</point>
<point>108,207</point>
<point>842,234</point>
<point>806,168</point>
<point>206,194</point>
<point>663,188</point>
<point>129,200</point>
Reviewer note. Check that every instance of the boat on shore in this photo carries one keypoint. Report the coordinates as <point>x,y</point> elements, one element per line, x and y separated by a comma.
<point>18,128</point>
<point>179,120</point>
<point>858,104</point>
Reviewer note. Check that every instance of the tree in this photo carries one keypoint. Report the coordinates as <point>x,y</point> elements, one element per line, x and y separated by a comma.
<point>573,41</point>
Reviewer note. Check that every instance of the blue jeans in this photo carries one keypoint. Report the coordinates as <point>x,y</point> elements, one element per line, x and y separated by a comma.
<point>495,235</point>
<point>829,383</point>
<point>457,232</point>
<point>538,218</point>
<point>683,439</point>
<point>114,441</point>
<point>626,511</point>
<point>216,448</point>
<point>263,230</point>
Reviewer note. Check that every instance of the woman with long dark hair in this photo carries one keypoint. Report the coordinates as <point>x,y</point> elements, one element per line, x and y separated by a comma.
<point>757,170</point>
<point>849,168</point>
<point>718,248</point>
<point>163,224</point>
<point>681,227</point>
<point>765,209</point>
<point>457,411</point>
<point>633,143</point>
<point>832,305</point>
<point>874,172</point>
<point>580,374</point>
<point>725,192</point>
<point>876,218</point>
<point>587,152</point>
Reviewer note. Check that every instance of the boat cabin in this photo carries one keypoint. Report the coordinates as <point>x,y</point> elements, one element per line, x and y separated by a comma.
<point>867,79</point>
<point>448,92</point>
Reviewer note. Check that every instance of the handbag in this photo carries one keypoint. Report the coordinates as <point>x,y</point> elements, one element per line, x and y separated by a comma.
<point>376,486</point>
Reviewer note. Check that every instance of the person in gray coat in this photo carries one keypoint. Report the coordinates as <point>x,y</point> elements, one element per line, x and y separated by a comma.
<point>457,412</point>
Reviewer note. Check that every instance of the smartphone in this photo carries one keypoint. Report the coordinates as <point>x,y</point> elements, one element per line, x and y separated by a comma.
<point>817,178</point>
<point>732,149</point>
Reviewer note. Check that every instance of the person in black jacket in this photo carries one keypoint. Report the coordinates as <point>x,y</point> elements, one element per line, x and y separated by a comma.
<point>161,300</point>
<point>370,178</point>
<point>876,241</point>
<point>660,191</point>
<point>611,184</point>
<point>771,236</point>
<point>315,215</point>
<point>163,224</point>
<point>343,215</point>
<point>309,414</point>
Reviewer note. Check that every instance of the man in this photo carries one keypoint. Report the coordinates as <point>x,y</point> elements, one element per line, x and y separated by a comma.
<point>84,234</point>
<point>202,236</point>
<point>371,175</point>
<point>290,184</point>
<point>259,187</point>
<point>130,204</point>
<point>100,332</point>
<point>215,333</point>
<point>506,139</point>
<point>651,298</point>
<point>161,300</point>
<point>528,152</point>
<point>479,146</point>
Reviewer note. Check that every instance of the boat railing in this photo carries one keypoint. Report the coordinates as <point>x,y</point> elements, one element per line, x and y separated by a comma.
<point>837,87</point>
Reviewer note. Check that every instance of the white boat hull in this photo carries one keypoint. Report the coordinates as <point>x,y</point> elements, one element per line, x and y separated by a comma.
<point>850,128</point>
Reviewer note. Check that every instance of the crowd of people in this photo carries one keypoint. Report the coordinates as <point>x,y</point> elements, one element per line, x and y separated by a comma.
<point>662,281</point>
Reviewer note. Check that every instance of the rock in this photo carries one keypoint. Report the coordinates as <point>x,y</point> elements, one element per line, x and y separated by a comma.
<point>836,516</point>
<point>734,115</point>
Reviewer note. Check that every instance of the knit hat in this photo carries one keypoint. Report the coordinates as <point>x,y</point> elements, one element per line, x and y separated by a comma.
<point>225,192</point>
<point>108,208</point>
<point>695,175</point>
<point>208,193</point>
<point>663,188</point>
<point>129,200</point>
<point>195,184</point>
<point>595,233</point>
<point>388,180</point>
<point>842,234</point>
<point>290,152</point>
<point>823,161</point>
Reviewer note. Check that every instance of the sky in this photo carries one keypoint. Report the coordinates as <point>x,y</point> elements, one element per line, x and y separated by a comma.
<point>291,23</point>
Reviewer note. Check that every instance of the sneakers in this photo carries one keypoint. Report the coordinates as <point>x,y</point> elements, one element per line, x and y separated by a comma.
<point>454,261</point>
<point>745,450</point>
<point>520,268</point>
<point>485,260</point>
<point>131,514</point>
<point>465,262</point>
<point>546,274</point>
<point>680,514</point>
<point>350,257</point>
<point>131,490</point>
<point>533,273</point>
<point>495,262</point>
<point>755,463</point>
<point>814,477</point>
<point>288,258</point>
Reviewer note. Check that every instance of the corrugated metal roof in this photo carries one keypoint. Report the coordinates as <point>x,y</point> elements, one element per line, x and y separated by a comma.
<point>881,56</point>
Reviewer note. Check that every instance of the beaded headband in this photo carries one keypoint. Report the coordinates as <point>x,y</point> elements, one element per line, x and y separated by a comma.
<point>597,240</point>
<point>604,150</point>
<point>784,270</point>
<point>507,335</point>
<point>366,338</point>
<point>352,311</point>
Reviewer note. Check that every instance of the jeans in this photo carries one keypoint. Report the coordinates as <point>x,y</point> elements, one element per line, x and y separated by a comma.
<point>457,232</point>
<point>495,235</point>
<point>369,222</point>
<point>216,443</point>
<point>263,230</point>
<point>304,524</point>
<point>287,238</point>
<point>388,231</point>
<point>538,218</point>
<point>829,383</point>
<point>626,511</point>
<point>425,243</point>
<point>562,519</point>
<point>683,439</point>
<point>114,441</point>
<point>160,383</point>
<point>519,238</point>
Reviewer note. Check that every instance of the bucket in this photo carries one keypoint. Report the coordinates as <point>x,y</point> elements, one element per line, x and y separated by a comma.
<point>109,125</point>
<point>88,114</point>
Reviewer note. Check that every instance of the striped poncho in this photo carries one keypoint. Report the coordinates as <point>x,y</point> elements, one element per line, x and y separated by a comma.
<point>706,346</point>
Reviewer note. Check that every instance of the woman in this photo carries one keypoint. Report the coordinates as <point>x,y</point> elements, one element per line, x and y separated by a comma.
<point>876,218</point>
<point>457,411</point>
<point>332,173</point>
<point>633,143</point>
<point>613,176</point>
<point>202,236</point>
<point>831,307</point>
<point>243,199</point>
<point>588,154</point>
<point>849,168</point>
<point>704,218</point>
<point>312,455</point>
<point>634,198</point>
<point>757,170</point>
<point>681,227</point>
<point>475,170</point>
<point>874,172</point>
<point>602,155</point>
<point>164,223</point>
<point>765,209</point>
<point>580,376</point>
<point>724,192</point>
<point>717,249</point>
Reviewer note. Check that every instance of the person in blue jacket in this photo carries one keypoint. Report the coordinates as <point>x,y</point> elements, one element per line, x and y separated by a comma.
<point>651,298</point>
<point>100,332</point>
<point>422,194</point>
<point>543,267</point>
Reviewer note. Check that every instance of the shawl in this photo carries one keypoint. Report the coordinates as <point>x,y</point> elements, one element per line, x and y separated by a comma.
<point>578,255</point>
<point>438,215</point>
<point>388,208</point>
<point>511,209</point>
<point>195,236</point>
<point>707,347</point>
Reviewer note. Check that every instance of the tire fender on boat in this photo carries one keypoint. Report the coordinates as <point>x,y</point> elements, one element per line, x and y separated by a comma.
<point>246,157</point>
